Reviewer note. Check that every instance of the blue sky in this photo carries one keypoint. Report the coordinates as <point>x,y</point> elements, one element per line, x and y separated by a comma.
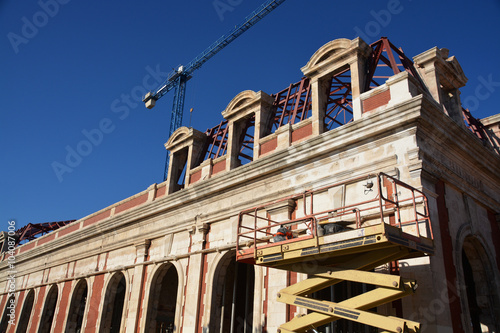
<point>71,68</point>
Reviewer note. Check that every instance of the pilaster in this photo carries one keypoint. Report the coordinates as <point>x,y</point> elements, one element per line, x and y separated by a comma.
<point>137,283</point>
<point>193,284</point>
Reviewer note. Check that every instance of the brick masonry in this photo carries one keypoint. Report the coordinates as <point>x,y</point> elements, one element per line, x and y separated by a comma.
<point>376,101</point>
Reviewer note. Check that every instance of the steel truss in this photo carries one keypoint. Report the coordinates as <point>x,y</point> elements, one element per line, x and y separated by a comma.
<point>32,231</point>
<point>292,104</point>
<point>387,60</point>
<point>480,131</point>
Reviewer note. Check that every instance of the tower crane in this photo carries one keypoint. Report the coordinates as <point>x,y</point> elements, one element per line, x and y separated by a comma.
<point>178,77</point>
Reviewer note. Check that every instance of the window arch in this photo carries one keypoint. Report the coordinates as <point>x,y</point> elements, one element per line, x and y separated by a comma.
<point>232,296</point>
<point>114,300</point>
<point>162,304</point>
<point>76,310</point>
<point>483,300</point>
<point>5,317</point>
<point>24,319</point>
<point>49,310</point>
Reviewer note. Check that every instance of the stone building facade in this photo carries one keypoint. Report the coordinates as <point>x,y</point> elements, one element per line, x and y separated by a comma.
<point>163,260</point>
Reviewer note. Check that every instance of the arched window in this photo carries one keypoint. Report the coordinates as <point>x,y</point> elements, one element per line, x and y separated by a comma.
<point>232,297</point>
<point>49,310</point>
<point>77,308</point>
<point>163,300</point>
<point>5,317</point>
<point>24,319</point>
<point>112,312</point>
<point>483,300</point>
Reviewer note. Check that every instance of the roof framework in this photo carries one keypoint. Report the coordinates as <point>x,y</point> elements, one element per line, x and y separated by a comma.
<point>293,104</point>
<point>32,231</point>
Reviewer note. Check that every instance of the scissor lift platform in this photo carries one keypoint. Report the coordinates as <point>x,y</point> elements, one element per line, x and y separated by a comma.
<point>392,223</point>
<point>338,248</point>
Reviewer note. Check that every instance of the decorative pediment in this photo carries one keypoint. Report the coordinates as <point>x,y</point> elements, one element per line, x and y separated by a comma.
<point>246,102</point>
<point>243,98</point>
<point>330,49</point>
<point>178,136</point>
<point>337,51</point>
<point>451,75</point>
<point>459,73</point>
<point>183,137</point>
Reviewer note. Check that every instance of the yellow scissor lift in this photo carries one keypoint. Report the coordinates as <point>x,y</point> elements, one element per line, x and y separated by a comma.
<point>368,221</point>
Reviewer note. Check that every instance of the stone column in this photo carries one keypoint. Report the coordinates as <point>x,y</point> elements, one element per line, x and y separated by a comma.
<point>263,121</point>
<point>94,299</point>
<point>319,98</point>
<point>233,146</point>
<point>37,307</point>
<point>258,315</point>
<point>358,78</point>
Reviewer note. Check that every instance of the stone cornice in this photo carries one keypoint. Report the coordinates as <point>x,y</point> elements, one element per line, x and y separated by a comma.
<point>460,153</point>
<point>164,259</point>
<point>491,119</point>
<point>463,140</point>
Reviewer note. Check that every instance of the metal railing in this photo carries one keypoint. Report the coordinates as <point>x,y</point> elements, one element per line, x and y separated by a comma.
<point>392,202</point>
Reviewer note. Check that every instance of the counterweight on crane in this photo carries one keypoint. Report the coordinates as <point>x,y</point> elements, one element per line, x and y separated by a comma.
<point>178,77</point>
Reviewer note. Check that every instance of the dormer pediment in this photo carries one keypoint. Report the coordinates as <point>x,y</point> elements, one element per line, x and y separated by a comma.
<point>336,52</point>
<point>245,103</point>
<point>459,73</point>
<point>183,137</point>
<point>451,75</point>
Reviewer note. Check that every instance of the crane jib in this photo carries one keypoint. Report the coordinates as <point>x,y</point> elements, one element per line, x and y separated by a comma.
<point>178,77</point>
<point>213,49</point>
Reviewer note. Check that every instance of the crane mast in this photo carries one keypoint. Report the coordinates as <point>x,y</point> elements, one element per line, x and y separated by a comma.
<point>178,77</point>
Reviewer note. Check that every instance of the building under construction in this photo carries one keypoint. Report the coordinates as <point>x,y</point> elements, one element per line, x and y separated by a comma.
<point>362,198</point>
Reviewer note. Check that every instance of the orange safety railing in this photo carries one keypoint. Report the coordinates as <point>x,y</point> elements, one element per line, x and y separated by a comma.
<point>394,202</point>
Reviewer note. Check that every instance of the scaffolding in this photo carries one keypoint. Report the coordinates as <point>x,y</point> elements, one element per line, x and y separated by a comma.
<point>344,242</point>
